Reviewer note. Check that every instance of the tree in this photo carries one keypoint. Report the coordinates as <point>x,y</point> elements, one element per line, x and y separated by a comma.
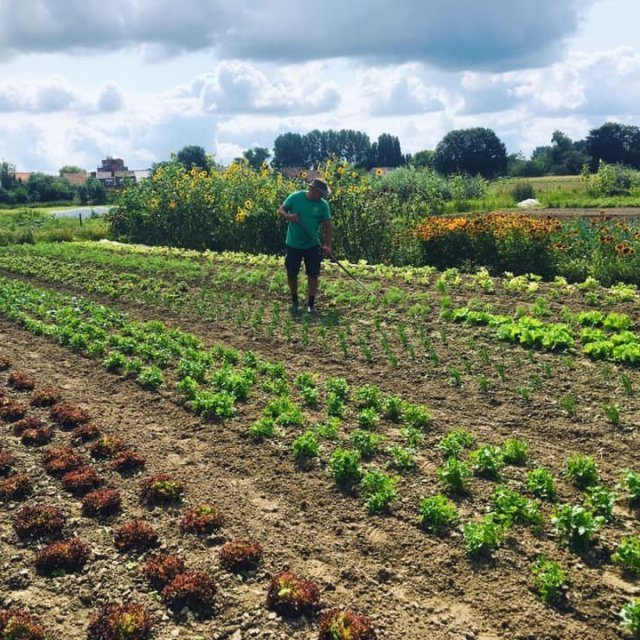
<point>387,151</point>
<point>289,151</point>
<point>70,168</point>
<point>423,159</point>
<point>473,151</point>
<point>7,175</point>
<point>45,188</point>
<point>614,144</point>
<point>256,156</point>
<point>193,156</point>
<point>92,192</point>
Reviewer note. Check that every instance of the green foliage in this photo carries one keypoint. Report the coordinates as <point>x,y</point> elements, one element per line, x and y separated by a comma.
<point>416,417</point>
<point>488,461</point>
<point>472,151</point>
<point>345,466</point>
<point>631,484</point>
<point>575,526</point>
<point>306,446</point>
<point>481,537</point>
<point>210,404</point>
<point>541,483</point>
<point>601,500</point>
<point>379,490</point>
<point>512,507</point>
<point>582,470</point>
<point>151,377</point>
<point>368,396</point>
<point>263,428</point>
<point>455,442</point>
<point>437,513</point>
<point>365,442</point>
<point>368,418</point>
<point>515,451</point>
<point>338,387</point>
<point>285,412</point>
<point>402,458</point>
<point>551,581</point>
<point>454,474</point>
<point>630,616</point>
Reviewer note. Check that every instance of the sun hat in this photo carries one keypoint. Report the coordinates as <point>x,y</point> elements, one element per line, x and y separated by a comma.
<point>321,186</point>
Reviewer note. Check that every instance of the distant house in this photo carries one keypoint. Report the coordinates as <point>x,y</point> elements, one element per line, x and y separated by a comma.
<point>23,176</point>
<point>76,179</point>
<point>113,173</point>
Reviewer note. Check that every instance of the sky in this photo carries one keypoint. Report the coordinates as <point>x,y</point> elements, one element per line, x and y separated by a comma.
<point>81,80</point>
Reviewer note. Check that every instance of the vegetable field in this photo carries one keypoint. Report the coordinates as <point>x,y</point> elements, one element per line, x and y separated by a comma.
<point>455,457</point>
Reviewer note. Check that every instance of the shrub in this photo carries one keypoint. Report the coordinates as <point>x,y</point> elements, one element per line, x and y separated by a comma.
<point>162,489</point>
<point>65,556</point>
<point>135,535</point>
<point>15,488</point>
<point>344,624</point>
<point>57,461</point>
<point>120,622</point>
<point>128,461</point>
<point>101,503</point>
<point>107,447</point>
<point>345,466</point>
<point>39,522</point>
<point>290,595</point>
<point>21,381</point>
<point>68,415</point>
<point>81,481</point>
<point>7,462</point>
<point>551,581</point>
<point>161,569</point>
<point>454,475</point>
<point>196,590</point>
<point>379,490</point>
<point>203,519</point>
<point>45,397</point>
<point>627,554</point>
<point>541,483</point>
<point>515,451</point>
<point>12,411</point>
<point>575,525</point>
<point>240,556</point>
<point>522,191</point>
<point>17,624</point>
<point>37,437</point>
<point>582,470</point>
<point>437,513</point>
<point>22,425</point>
<point>86,432</point>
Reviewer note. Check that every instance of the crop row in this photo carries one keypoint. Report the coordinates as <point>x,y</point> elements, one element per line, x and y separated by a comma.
<point>41,524</point>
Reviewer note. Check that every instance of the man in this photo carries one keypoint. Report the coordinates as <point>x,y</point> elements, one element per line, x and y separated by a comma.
<point>306,211</point>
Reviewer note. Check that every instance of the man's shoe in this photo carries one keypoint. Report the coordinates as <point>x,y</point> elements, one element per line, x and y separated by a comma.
<point>311,310</point>
<point>294,309</point>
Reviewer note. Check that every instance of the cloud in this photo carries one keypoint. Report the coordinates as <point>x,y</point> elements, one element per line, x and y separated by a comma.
<point>456,34</point>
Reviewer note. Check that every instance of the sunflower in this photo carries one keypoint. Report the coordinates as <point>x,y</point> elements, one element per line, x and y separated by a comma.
<point>379,171</point>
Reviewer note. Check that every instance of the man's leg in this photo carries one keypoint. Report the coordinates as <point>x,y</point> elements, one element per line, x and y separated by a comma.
<point>312,266</point>
<point>292,263</point>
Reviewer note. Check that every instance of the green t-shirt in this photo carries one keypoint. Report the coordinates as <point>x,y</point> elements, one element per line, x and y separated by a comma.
<point>304,234</point>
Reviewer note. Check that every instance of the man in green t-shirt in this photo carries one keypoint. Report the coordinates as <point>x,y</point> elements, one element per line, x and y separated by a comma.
<point>306,211</point>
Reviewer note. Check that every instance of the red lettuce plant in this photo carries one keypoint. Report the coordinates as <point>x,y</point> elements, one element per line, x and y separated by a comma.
<point>17,624</point>
<point>136,535</point>
<point>46,397</point>
<point>37,437</point>
<point>240,556</point>
<point>68,416</point>
<point>161,569</point>
<point>58,461</point>
<point>162,489</point>
<point>5,363</point>
<point>337,624</point>
<point>290,595</point>
<point>120,622</point>
<point>101,503</point>
<point>195,590</point>
<point>39,522</point>
<point>15,488</point>
<point>7,462</point>
<point>203,519</point>
<point>128,461</point>
<point>12,410</point>
<point>20,381</point>
<point>23,424</point>
<point>107,447</point>
<point>64,556</point>
<point>86,432</point>
<point>81,481</point>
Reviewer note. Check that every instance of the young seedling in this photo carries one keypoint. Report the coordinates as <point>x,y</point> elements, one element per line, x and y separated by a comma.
<point>627,555</point>
<point>135,536</point>
<point>630,617</point>
<point>161,569</point>
<point>488,461</point>
<point>455,442</point>
<point>437,514</point>
<point>202,520</point>
<point>59,558</point>
<point>195,590</point>
<point>120,622</point>
<point>601,500</point>
<point>402,459</point>
<point>631,483</point>
<point>481,537</point>
<point>612,413</point>
<point>454,474</point>
<point>541,484</point>
<point>292,596</point>
<point>306,447</point>
<point>515,451</point>
<point>575,526</point>
<point>379,491</point>
<point>513,508</point>
<point>19,625</point>
<point>582,470</point>
<point>241,556</point>
<point>337,624</point>
<point>551,581</point>
<point>365,442</point>
<point>345,467</point>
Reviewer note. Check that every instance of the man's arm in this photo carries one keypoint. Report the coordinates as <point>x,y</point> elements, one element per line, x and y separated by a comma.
<point>327,231</point>
<point>287,215</point>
